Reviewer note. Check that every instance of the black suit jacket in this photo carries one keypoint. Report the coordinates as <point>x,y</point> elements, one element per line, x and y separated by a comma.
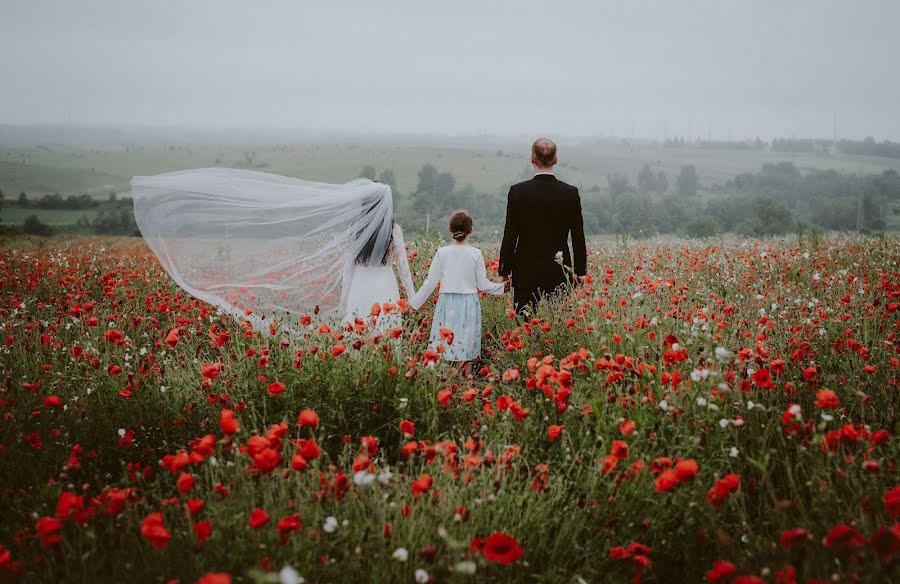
<point>540,215</point>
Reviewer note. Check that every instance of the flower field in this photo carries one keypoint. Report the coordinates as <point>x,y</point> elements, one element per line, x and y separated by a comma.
<point>695,412</point>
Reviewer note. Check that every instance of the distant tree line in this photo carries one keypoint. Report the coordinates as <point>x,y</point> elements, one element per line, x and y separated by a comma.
<point>867,147</point>
<point>776,200</point>
<point>57,201</point>
<point>115,217</point>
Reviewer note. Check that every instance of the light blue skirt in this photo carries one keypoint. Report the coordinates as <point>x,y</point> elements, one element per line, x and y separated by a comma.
<point>461,314</point>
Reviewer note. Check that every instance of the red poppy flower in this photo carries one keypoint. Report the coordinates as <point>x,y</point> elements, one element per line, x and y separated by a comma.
<point>422,485</point>
<point>68,505</point>
<point>266,461</point>
<point>844,537</point>
<point>258,518</point>
<point>619,449</point>
<point>407,428</point>
<point>793,538</point>
<point>310,450</point>
<point>195,506</point>
<point>202,529</point>
<point>666,481</point>
<point>210,371</point>
<point>288,525</point>
<point>501,548</point>
<point>686,470</point>
<point>763,379</point>
<point>48,529</point>
<point>153,530</point>
<point>173,337</point>
<point>447,335</point>
<point>554,432</point>
<point>892,502</point>
<point>227,422</point>
<point>885,542</point>
<point>626,427</point>
<point>826,399</point>
<point>721,571</point>
<point>214,578</point>
<point>724,487</point>
<point>308,419</point>
<point>185,483</point>
<point>275,388</point>
<point>337,350</point>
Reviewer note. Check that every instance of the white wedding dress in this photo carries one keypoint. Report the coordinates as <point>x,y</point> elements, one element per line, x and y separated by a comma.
<point>366,285</point>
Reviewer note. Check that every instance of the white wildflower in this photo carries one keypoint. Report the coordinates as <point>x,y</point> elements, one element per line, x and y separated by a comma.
<point>331,525</point>
<point>733,453</point>
<point>363,478</point>
<point>467,568</point>
<point>288,575</point>
<point>421,576</point>
<point>400,554</point>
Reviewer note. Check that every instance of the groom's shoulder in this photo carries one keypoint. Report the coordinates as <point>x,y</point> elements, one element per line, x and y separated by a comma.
<point>566,186</point>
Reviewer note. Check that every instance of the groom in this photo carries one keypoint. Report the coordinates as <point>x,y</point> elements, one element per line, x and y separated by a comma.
<point>540,215</point>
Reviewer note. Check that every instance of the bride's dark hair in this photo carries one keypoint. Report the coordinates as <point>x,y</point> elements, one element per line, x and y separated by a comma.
<point>365,254</point>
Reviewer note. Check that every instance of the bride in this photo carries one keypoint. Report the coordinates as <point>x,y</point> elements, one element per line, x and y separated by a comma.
<point>273,250</point>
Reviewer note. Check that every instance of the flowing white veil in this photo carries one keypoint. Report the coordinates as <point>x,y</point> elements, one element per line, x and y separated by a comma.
<point>260,246</point>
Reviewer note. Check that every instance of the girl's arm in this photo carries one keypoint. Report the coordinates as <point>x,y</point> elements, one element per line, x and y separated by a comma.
<point>481,279</point>
<point>402,262</point>
<point>431,282</point>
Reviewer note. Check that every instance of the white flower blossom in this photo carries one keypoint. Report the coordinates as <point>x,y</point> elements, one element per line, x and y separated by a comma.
<point>331,525</point>
<point>288,575</point>
<point>400,554</point>
<point>421,576</point>
<point>363,478</point>
<point>733,453</point>
<point>467,568</point>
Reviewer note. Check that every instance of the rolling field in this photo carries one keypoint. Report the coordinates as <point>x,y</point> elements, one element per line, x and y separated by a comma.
<point>722,412</point>
<point>489,167</point>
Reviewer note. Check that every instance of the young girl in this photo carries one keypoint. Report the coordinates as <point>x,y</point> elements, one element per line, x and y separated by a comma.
<point>460,269</point>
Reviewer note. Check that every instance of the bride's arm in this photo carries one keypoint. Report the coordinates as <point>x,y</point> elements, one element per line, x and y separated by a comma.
<point>398,251</point>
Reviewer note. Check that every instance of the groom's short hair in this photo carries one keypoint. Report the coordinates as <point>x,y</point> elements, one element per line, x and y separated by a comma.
<point>544,152</point>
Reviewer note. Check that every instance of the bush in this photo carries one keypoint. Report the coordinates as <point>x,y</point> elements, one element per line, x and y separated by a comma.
<point>34,226</point>
<point>117,220</point>
<point>702,227</point>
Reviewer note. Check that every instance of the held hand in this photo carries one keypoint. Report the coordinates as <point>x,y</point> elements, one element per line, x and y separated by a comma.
<point>507,284</point>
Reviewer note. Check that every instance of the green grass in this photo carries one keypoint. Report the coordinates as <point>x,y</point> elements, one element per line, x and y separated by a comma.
<point>17,215</point>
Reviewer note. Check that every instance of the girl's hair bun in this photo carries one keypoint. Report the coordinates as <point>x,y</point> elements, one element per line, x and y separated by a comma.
<point>460,224</point>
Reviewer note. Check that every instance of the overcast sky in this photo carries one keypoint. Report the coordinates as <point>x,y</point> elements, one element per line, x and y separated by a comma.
<point>655,68</point>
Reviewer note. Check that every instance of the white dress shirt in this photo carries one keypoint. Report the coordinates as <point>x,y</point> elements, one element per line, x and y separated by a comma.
<point>460,269</point>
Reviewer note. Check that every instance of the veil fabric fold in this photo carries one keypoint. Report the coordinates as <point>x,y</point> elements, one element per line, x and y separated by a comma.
<point>260,246</point>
